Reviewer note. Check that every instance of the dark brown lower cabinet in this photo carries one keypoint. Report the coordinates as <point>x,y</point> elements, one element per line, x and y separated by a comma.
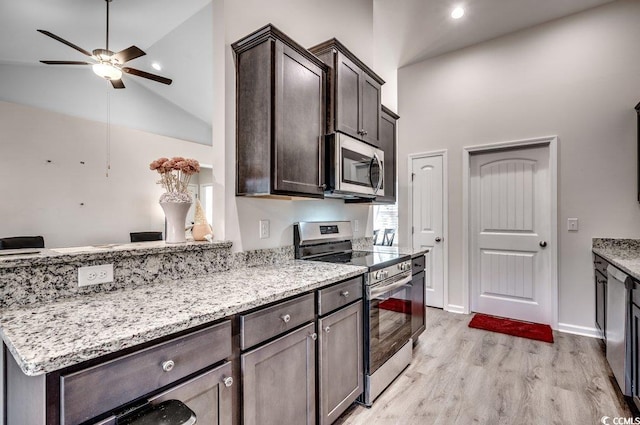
<point>635,353</point>
<point>207,395</point>
<point>601,302</point>
<point>279,380</point>
<point>340,367</point>
<point>417,306</point>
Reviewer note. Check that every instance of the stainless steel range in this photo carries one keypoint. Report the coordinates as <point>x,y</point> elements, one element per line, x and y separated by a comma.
<point>387,288</point>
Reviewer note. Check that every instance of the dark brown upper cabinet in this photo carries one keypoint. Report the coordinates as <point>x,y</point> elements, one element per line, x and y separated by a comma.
<point>354,93</point>
<point>638,112</point>
<point>280,116</point>
<point>388,143</point>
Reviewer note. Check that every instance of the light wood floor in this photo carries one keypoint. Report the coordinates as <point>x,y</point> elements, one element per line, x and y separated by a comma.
<point>461,375</point>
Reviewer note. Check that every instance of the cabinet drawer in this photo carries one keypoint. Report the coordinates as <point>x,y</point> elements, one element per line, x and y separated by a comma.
<point>339,295</point>
<point>417,264</point>
<point>272,321</point>
<point>600,264</point>
<point>90,392</point>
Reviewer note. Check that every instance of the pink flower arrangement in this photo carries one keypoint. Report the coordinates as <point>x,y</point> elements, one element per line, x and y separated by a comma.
<point>175,174</point>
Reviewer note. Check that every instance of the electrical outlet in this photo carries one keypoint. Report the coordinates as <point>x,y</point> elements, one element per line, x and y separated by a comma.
<point>572,224</point>
<point>264,229</point>
<point>94,275</point>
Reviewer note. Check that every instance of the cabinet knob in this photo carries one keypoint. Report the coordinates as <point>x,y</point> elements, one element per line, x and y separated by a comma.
<point>365,132</point>
<point>314,336</point>
<point>286,318</point>
<point>344,294</point>
<point>543,244</point>
<point>327,329</point>
<point>323,186</point>
<point>168,365</point>
<point>438,239</point>
<point>228,381</point>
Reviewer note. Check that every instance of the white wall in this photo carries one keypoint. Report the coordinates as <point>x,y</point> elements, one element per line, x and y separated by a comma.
<point>309,23</point>
<point>40,198</point>
<point>577,78</point>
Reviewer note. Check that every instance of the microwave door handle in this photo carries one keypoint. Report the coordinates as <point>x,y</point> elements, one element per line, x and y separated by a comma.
<point>380,173</point>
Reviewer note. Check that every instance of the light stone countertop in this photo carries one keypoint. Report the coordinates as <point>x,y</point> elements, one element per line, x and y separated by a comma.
<point>47,337</point>
<point>397,250</point>
<point>50,256</point>
<point>621,253</point>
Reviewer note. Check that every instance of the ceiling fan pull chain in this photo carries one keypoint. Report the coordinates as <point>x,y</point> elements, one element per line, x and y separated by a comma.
<point>108,128</point>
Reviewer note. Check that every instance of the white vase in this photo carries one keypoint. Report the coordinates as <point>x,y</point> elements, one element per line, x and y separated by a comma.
<point>176,216</point>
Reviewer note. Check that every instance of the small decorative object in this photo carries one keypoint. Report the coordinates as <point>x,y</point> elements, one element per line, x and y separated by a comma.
<point>201,228</point>
<point>175,174</point>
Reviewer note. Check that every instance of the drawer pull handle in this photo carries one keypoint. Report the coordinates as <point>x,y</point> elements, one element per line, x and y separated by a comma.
<point>327,329</point>
<point>598,262</point>
<point>168,365</point>
<point>286,318</point>
<point>314,336</point>
<point>228,381</point>
<point>344,294</point>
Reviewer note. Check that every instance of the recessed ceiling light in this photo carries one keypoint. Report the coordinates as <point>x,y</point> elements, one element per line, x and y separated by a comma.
<point>156,66</point>
<point>457,13</point>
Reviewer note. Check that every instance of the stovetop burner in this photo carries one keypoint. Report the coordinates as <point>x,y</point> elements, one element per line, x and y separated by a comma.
<point>372,260</point>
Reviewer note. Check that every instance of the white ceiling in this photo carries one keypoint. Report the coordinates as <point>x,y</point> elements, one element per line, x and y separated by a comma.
<point>162,28</point>
<point>409,31</point>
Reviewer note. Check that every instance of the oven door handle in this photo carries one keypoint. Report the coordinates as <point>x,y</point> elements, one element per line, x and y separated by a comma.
<point>376,291</point>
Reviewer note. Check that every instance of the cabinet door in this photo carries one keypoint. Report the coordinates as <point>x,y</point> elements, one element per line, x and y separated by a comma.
<point>208,395</point>
<point>278,380</point>
<point>635,351</point>
<point>601,302</point>
<point>299,124</point>
<point>348,94</point>
<point>418,308</point>
<point>370,110</point>
<point>340,365</point>
<point>388,145</point>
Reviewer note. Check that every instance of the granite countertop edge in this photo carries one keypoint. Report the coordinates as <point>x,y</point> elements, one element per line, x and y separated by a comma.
<point>35,357</point>
<point>48,256</point>
<point>397,250</point>
<point>632,268</point>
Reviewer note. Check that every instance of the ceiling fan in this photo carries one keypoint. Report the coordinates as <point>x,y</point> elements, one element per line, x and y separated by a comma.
<point>107,64</point>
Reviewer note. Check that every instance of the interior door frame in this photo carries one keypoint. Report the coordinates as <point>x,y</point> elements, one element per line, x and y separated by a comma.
<point>445,214</point>
<point>552,143</point>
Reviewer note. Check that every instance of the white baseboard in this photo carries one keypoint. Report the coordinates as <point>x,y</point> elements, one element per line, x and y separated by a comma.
<point>455,308</point>
<point>578,330</point>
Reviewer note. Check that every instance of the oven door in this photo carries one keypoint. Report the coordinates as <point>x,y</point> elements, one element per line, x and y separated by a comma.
<point>359,167</point>
<point>389,319</point>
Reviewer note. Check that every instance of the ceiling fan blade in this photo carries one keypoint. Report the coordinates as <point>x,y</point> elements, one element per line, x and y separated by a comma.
<point>147,75</point>
<point>66,63</point>
<point>128,54</point>
<point>117,84</point>
<point>62,40</point>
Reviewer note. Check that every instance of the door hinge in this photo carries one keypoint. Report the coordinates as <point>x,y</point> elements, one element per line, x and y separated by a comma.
<point>412,230</point>
<point>413,176</point>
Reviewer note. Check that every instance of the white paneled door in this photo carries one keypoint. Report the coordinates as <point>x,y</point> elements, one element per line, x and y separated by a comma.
<point>510,219</point>
<point>427,216</point>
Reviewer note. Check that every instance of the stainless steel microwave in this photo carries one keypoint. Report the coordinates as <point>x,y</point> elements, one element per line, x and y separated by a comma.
<point>355,168</point>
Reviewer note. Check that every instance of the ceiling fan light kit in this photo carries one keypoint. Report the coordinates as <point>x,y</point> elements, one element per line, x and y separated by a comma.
<point>107,71</point>
<point>108,64</point>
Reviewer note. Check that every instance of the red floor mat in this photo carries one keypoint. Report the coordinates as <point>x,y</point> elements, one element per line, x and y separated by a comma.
<point>529,330</point>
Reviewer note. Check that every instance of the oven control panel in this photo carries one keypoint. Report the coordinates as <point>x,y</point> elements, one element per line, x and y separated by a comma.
<point>389,272</point>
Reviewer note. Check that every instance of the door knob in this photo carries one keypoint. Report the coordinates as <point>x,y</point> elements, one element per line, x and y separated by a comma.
<point>438,239</point>
<point>543,244</point>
